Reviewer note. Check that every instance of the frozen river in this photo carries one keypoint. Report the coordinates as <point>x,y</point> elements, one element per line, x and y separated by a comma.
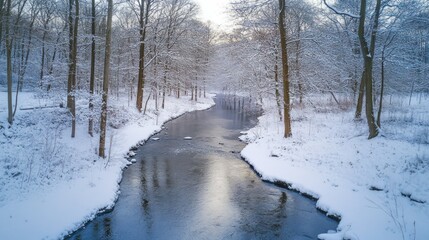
<point>201,189</point>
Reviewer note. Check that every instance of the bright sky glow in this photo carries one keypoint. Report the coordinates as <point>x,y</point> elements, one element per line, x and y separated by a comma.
<point>215,11</point>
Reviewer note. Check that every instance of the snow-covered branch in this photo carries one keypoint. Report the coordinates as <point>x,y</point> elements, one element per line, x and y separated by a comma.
<point>339,12</point>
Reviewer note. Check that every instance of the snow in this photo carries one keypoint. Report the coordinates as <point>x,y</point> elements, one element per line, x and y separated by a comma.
<point>377,187</point>
<point>131,154</point>
<point>51,184</point>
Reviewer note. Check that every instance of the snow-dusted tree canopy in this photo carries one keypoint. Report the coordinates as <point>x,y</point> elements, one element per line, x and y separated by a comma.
<point>324,46</point>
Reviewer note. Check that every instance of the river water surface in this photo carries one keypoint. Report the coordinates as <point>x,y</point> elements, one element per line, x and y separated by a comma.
<point>201,189</point>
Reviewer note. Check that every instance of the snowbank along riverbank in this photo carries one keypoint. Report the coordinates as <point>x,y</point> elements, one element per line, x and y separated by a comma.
<point>377,187</point>
<point>50,183</point>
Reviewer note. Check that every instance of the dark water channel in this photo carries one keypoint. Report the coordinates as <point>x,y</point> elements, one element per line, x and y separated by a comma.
<point>201,189</point>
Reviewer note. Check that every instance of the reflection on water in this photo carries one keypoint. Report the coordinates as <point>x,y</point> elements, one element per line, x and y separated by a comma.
<point>199,189</point>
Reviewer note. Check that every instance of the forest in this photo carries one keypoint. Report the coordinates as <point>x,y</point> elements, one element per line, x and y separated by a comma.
<point>343,86</point>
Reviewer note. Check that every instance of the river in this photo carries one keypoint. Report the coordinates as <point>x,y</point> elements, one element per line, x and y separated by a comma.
<point>201,189</point>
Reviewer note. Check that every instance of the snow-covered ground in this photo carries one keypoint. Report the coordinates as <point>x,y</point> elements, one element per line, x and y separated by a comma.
<point>50,184</point>
<point>379,188</point>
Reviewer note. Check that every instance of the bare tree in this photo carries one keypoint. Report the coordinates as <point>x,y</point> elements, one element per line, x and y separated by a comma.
<point>25,52</point>
<point>368,52</point>
<point>106,73</point>
<point>71,83</point>
<point>92,74</point>
<point>285,71</point>
<point>47,15</point>
<point>368,57</point>
<point>9,43</point>
<point>177,12</point>
<point>384,55</point>
<point>1,19</point>
<point>9,63</point>
<point>144,8</point>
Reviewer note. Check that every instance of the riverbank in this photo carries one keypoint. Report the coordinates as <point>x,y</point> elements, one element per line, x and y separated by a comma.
<point>200,189</point>
<point>50,183</point>
<point>377,187</point>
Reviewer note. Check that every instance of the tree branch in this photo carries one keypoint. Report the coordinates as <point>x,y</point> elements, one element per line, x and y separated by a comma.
<point>340,12</point>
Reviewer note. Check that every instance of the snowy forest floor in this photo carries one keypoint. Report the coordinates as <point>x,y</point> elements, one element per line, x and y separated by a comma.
<point>50,184</point>
<point>379,188</point>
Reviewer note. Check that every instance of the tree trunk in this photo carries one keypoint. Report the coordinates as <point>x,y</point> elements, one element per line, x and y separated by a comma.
<point>369,109</point>
<point>51,66</point>
<point>164,85</point>
<point>25,56</point>
<point>42,62</point>
<point>92,76</point>
<point>24,62</point>
<point>276,80</point>
<point>368,56</point>
<point>196,92</point>
<point>1,20</point>
<point>143,18</point>
<point>285,68</point>
<point>69,77</point>
<point>140,79</point>
<point>146,102</point>
<point>298,74</point>
<point>359,104</point>
<point>381,90</point>
<point>412,91</point>
<point>72,68</point>
<point>103,118</point>
<point>9,63</point>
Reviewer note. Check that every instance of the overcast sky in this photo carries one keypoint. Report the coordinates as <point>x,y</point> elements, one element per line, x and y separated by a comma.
<point>214,11</point>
